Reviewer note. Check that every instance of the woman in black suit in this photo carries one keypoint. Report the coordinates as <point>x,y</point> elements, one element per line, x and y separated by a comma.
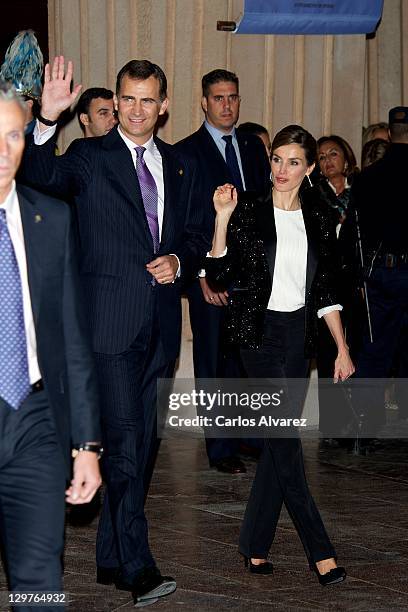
<point>277,252</point>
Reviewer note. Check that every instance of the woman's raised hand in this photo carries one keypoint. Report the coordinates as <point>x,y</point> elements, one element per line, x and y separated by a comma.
<point>225,199</point>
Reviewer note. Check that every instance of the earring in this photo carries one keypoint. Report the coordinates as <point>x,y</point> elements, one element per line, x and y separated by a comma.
<point>308,178</point>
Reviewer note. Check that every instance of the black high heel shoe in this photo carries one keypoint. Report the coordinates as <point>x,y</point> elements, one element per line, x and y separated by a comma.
<point>335,575</point>
<point>263,568</point>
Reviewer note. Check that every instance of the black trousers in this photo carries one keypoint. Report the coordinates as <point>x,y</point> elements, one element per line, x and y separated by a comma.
<point>387,291</point>
<point>128,389</point>
<point>280,476</point>
<point>32,499</point>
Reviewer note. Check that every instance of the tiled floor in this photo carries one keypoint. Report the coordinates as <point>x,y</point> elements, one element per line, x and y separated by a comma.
<point>194,515</point>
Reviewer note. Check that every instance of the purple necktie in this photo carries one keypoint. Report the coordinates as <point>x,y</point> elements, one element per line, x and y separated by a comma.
<point>148,188</point>
<point>14,377</point>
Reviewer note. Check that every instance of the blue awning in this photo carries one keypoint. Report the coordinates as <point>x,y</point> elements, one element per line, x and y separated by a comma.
<point>310,17</point>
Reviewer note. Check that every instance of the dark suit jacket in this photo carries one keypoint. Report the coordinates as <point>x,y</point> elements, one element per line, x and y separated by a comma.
<point>115,241</point>
<point>214,170</point>
<point>250,262</point>
<point>63,343</point>
<point>379,194</point>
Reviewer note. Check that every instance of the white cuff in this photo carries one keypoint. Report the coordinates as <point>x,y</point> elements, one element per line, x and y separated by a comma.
<point>42,137</point>
<point>222,254</point>
<point>178,273</point>
<point>201,273</point>
<point>322,311</point>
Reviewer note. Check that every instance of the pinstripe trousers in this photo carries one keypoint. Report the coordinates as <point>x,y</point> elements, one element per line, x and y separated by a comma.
<point>128,388</point>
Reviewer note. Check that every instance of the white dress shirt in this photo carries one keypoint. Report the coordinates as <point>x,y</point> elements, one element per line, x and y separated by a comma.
<point>154,162</point>
<point>15,228</point>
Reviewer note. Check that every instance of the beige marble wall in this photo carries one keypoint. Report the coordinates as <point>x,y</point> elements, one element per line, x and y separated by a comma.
<point>322,82</point>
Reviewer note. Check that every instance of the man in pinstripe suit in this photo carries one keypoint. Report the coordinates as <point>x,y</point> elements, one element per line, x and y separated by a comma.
<point>132,278</point>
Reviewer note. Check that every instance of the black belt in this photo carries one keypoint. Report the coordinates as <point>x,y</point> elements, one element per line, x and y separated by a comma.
<point>37,386</point>
<point>391,260</point>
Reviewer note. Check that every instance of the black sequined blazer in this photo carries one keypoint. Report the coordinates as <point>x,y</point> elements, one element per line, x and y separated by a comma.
<point>247,268</point>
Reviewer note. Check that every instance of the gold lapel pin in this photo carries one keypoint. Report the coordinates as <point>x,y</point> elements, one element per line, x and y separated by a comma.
<point>181,171</point>
<point>37,218</point>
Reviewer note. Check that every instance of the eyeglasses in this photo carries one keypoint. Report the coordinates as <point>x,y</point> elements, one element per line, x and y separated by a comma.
<point>231,99</point>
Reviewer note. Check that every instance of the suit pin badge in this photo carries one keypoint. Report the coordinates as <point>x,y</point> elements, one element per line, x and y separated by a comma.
<point>181,171</point>
<point>37,218</point>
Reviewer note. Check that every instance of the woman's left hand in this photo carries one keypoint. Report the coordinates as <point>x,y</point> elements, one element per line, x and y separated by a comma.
<point>343,366</point>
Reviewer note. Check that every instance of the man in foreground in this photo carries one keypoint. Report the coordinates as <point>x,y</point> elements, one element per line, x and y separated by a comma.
<point>48,397</point>
<point>139,238</point>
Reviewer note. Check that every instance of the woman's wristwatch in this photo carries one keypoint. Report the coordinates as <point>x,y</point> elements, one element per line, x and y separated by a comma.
<point>87,446</point>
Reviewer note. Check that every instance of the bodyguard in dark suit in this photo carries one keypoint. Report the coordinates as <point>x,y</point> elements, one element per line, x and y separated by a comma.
<point>379,197</point>
<point>48,397</point>
<point>223,155</point>
<point>139,238</point>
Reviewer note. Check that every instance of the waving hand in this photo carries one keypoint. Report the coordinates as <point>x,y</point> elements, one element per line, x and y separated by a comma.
<point>57,95</point>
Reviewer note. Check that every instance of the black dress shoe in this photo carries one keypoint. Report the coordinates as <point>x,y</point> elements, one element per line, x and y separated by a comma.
<point>337,574</point>
<point>230,465</point>
<point>150,585</point>
<point>250,452</point>
<point>262,568</point>
<point>112,575</point>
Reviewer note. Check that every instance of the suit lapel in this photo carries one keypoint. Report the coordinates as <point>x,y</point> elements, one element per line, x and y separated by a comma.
<point>312,248</point>
<point>265,222</point>
<point>167,164</point>
<point>34,226</point>
<point>214,159</point>
<point>122,169</point>
<point>173,172</point>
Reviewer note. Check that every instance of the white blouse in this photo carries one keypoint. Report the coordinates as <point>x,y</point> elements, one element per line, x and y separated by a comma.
<point>289,276</point>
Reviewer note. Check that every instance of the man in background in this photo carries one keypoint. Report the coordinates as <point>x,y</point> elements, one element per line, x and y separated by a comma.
<point>223,156</point>
<point>249,127</point>
<point>96,112</point>
<point>379,197</point>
